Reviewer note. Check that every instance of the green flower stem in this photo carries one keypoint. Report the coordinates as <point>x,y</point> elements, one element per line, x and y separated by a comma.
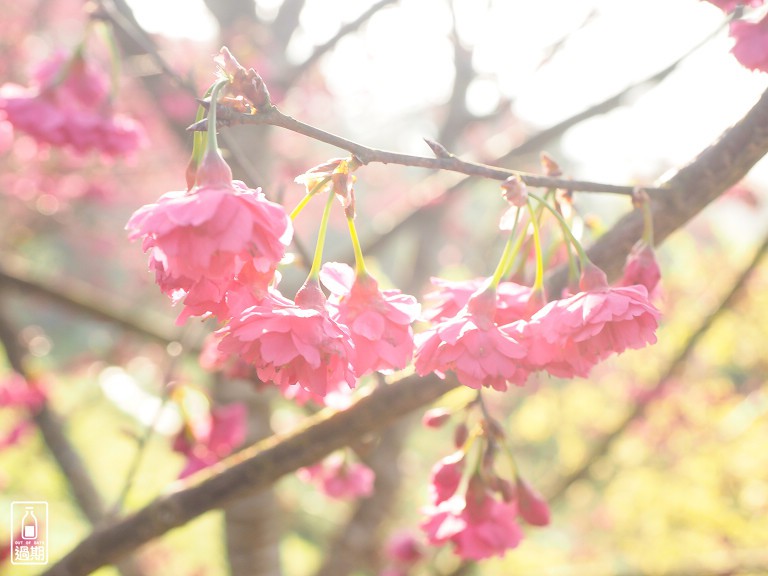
<point>360,269</point>
<point>647,223</point>
<point>317,261</point>
<point>583,258</point>
<point>511,249</point>
<point>198,138</point>
<point>538,283</point>
<point>213,143</point>
<point>304,201</point>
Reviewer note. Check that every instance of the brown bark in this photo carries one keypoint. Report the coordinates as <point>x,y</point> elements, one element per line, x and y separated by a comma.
<point>252,522</point>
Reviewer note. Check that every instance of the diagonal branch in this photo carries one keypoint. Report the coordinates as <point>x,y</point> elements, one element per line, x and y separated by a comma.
<point>250,471</point>
<point>689,191</point>
<point>677,364</point>
<point>293,74</point>
<point>80,297</point>
<point>366,155</point>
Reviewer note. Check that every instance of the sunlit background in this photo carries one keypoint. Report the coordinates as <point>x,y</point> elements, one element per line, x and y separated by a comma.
<point>682,491</point>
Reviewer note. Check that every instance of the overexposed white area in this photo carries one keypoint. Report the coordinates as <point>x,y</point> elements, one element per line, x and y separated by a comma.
<point>175,18</point>
<point>388,78</point>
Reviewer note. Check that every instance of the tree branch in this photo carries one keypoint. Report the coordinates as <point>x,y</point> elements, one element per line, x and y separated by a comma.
<point>366,155</point>
<point>293,74</point>
<point>80,297</point>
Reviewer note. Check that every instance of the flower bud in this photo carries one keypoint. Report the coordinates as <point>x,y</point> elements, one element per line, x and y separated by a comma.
<point>515,191</point>
<point>531,505</point>
<point>435,417</point>
<point>460,435</point>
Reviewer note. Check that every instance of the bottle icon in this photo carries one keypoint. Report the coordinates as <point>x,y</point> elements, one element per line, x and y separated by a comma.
<point>29,524</point>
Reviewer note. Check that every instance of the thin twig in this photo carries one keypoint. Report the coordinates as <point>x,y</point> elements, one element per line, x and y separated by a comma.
<point>535,142</point>
<point>293,74</point>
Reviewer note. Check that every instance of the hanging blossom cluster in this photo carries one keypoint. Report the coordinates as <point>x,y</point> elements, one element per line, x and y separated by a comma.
<point>216,247</point>
<point>473,504</point>
<point>69,104</point>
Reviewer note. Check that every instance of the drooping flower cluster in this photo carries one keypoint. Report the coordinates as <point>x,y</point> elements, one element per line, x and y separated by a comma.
<point>493,340</point>
<point>217,246</point>
<point>68,104</point>
<point>293,343</point>
<point>477,522</point>
<point>471,505</point>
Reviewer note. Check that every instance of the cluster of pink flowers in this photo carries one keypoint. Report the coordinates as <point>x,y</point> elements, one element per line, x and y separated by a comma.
<point>68,105</point>
<point>494,338</point>
<point>216,248</point>
<point>750,45</point>
<point>480,520</point>
<point>339,478</point>
<point>402,552</point>
<point>210,437</point>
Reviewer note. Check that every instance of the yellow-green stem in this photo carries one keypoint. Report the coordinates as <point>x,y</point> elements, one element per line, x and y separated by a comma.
<point>647,223</point>
<point>510,251</point>
<point>317,261</point>
<point>360,269</point>
<point>538,282</point>
<point>583,258</point>
<point>213,142</point>
<point>304,201</point>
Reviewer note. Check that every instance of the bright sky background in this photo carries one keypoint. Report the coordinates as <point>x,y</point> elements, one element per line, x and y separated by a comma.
<point>402,65</point>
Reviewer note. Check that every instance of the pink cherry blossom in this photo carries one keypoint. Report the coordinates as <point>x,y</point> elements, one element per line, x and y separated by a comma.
<point>205,443</point>
<point>202,240</point>
<point>68,105</point>
<point>451,296</point>
<point>293,343</point>
<point>16,391</point>
<point>751,43</point>
<point>472,346</point>
<point>567,337</point>
<point>16,433</point>
<point>435,417</point>
<point>642,268</point>
<point>338,478</point>
<point>478,525</point>
<point>731,5</point>
<point>404,549</point>
<point>446,476</point>
<point>379,321</point>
